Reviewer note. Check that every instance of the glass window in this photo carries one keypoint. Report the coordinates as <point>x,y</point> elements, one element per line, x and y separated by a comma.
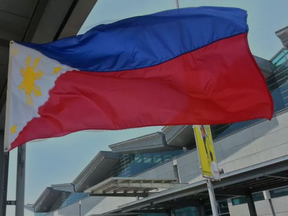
<point>242,200</point>
<point>258,196</point>
<point>280,59</point>
<point>73,197</point>
<point>189,211</point>
<point>157,158</point>
<point>130,165</point>
<point>166,157</point>
<point>279,192</point>
<point>41,214</point>
<point>239,200</point>
<point>138,158</point>
<point>223,208</point>
<point>207,209</point>
<point>154,214</point>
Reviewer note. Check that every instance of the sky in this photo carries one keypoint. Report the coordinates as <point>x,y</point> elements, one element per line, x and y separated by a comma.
<point>60,160</point>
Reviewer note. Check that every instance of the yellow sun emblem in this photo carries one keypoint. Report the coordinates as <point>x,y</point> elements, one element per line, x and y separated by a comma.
<point>29,77</point>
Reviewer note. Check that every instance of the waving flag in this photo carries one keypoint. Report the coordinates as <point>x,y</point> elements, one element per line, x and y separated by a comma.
<point>178,67</point>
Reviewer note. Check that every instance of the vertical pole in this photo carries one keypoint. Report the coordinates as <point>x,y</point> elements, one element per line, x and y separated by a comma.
<point>212,197</point>
<point>4,165</point>
<point>20,188</point>
<point>80,208</point>
<point>251,204</point>
<point>4,156</point>
<point>177,3</point>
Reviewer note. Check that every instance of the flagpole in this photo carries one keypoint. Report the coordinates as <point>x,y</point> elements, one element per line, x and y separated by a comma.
<point>4,159</point>
<point>4,167</point>
<point>177,3</point>
<point>212,198</point>
<point>20,185</point>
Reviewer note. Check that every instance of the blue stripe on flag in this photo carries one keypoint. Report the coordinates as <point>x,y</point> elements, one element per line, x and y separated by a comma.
<point>145,41</point>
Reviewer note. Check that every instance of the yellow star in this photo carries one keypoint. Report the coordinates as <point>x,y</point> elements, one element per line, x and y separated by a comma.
<point>13,129</point>
<point>15,52</point>
<point>57,69</point>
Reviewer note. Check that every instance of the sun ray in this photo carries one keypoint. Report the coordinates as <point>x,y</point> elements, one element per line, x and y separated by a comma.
<point>22,72</point>
<point>35,63</point>
<point>27,99</point>
<point>37,87</point>
<point>39,74</point>
<point>28,61</point>
<point>34,93</point>
<point>31,99</point>
<point>38,92</point>
<point>21,87</point>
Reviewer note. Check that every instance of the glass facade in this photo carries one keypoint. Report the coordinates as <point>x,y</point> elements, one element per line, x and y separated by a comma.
<point>188,211</point>
<point>64,200</point>
<point>154,214</point>
<point>279,192</point>
<point>277,85</point>
<point>41,214</point>
<point>130,165</point>
<point>242,200</point>
<point>222,207</point>
<point>275,193</point>
<point>74,197</point>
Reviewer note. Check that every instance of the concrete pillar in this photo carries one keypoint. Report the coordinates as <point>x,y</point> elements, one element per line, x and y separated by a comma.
<point>251,204</point>
<point>267,196</point>
<point>229,202</point>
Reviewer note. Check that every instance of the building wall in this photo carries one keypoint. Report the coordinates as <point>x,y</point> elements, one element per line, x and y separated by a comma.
<point>262,142</point>
<point>154,140</point>
<point>259,143</point>
<point>99,205</point>
<point>263,208</point>
<point>72,209</point>
<point>163,171</point>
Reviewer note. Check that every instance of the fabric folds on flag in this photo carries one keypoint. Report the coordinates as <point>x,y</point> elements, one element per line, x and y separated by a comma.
<point>177,67</point>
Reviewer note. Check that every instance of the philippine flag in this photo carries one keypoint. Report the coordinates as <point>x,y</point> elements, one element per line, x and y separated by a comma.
<point>178,67</point>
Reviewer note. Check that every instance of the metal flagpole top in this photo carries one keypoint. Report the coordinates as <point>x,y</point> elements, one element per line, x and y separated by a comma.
<point>177,3</point>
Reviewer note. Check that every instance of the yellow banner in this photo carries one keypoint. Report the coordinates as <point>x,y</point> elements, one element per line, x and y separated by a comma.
<point>206,151</point>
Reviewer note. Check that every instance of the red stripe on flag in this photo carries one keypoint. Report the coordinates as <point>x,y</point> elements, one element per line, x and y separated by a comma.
<point>220,83</point>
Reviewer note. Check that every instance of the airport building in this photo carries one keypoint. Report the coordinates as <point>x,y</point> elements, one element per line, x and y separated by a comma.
<point>158,174</point>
